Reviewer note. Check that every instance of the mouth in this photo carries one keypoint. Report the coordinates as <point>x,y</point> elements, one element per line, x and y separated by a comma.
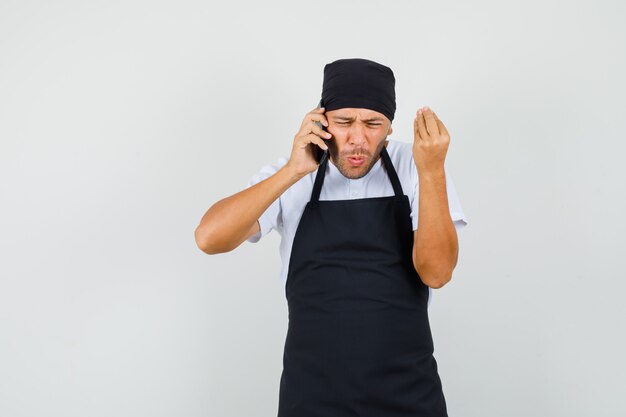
<point>356,160</point>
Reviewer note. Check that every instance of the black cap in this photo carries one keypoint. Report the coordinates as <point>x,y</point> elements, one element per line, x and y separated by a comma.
<point>359,83</point>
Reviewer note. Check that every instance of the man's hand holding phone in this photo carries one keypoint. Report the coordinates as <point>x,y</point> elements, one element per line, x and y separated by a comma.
<point>308,144</point>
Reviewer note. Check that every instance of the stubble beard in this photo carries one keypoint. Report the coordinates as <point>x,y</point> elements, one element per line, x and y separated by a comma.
<point>344,166</point>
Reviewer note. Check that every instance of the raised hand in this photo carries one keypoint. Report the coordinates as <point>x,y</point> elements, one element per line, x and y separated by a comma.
<point>302,159</point>
<point>431,140</point>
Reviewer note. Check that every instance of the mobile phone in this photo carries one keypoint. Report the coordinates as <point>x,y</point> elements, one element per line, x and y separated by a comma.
<point>318,153</point>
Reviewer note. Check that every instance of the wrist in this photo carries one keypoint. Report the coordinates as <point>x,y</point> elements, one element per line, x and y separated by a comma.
<point>291,173</point>
<point>431,173</point>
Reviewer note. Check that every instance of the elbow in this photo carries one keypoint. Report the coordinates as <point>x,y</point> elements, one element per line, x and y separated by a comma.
<point>434,271</point>
<point>436,283</point>
<point>434,278</point>
<point>203,241</point>
<point>208,243</point>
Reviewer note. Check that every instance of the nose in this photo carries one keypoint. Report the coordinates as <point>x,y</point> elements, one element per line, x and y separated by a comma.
<point>356,135</point>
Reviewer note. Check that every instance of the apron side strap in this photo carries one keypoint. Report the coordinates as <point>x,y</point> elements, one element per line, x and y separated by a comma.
<point>319,177</point>
<point>393,175</point>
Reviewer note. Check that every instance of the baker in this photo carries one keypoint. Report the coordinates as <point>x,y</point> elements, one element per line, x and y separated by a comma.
<point>357,269</point>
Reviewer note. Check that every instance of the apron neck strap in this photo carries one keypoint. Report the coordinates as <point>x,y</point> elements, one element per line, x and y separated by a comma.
<point>391,172</point>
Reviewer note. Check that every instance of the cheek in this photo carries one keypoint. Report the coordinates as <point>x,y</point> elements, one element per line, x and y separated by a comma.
<point>334,130</point>
<point>337,137</point>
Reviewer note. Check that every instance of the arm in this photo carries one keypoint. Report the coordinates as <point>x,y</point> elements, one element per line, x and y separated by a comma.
<point>435,242</point>
<point>230,221</point>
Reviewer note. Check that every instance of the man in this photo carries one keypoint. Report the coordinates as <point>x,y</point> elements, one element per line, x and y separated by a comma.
<point>357,268</point>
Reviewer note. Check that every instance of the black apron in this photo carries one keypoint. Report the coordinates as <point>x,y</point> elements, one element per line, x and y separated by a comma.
<point>358,342</point>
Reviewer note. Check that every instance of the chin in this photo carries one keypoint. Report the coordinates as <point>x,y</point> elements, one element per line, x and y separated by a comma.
<point>340,160</point>
<point>354,172</point>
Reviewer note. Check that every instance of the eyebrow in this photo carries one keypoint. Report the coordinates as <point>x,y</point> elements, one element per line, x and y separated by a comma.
<point>350,119</point>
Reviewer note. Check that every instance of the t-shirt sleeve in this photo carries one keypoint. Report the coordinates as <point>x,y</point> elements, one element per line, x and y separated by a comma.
<point>454,204</point>
<point>272,216</point>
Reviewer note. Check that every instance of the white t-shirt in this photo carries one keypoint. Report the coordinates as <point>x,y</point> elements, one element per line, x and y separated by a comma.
<point>285,212</point>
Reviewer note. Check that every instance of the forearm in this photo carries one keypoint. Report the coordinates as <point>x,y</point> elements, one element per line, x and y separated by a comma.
<point>435,245</point>
<point>226,223</point>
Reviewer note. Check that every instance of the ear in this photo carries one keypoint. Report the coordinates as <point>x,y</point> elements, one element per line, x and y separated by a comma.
<point>390,131</point>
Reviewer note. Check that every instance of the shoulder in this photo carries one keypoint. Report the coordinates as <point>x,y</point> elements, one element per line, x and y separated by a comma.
<point>275,166</point>
<point>399,149</point>
<point>267,170</point>
<point>401,155</point>
<point>296,193</point>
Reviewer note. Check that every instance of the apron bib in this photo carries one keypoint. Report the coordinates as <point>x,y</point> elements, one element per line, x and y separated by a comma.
<point>358,341</point>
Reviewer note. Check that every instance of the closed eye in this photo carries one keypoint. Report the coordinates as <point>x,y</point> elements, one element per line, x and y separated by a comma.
<point>369,124</point>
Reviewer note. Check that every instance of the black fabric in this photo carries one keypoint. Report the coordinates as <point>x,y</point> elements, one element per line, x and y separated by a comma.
<point>358,340</point>
<point>359,83</point>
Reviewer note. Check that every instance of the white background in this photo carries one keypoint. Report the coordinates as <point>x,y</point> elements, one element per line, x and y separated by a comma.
<point>121,122</point>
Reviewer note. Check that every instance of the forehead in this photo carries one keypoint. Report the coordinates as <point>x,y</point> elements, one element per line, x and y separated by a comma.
<point>355,113</point>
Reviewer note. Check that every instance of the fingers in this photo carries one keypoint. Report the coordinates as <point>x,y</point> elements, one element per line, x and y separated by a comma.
<point>420,126</point>
<point>304,141</point>
<point>313,123</point>
<point>442,127</point>
<point>319,142</point>
<point>427,124</point>
<point>317,129</point>
<point>312,129</point>
<point>317,114</point>
<point>317,117</point>
<point>431,123</point>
